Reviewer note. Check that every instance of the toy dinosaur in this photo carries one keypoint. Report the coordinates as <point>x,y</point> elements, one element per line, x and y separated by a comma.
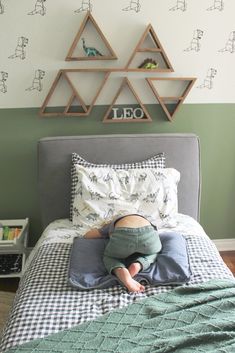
<point>90,51</point>
<point>149,64</point>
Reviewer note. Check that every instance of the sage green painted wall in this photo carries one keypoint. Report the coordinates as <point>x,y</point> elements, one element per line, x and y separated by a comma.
<point>20,130</point>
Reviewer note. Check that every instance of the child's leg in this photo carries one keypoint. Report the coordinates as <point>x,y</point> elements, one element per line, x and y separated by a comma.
<point>124,275</point>
<point>134,268</point>
<point>146,260</point>
<point>118,268</point>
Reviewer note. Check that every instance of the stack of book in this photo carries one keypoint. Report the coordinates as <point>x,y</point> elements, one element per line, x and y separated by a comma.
<point>9,233</point>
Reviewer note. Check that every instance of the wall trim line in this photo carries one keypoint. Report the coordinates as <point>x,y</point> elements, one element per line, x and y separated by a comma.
<point>224,244</point>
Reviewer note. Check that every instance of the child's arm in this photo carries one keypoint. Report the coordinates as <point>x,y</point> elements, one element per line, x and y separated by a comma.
<point>98,233</point>
<point>93,233</point>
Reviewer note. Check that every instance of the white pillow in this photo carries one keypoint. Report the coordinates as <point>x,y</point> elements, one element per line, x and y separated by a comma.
<point>157,161</point>
<point>103,193</point>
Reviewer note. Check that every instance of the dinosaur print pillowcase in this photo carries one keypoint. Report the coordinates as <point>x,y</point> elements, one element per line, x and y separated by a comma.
<point>157,161</point>
<point>103,193</point>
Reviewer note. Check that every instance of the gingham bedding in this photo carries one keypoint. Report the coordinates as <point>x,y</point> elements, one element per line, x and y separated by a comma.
<point>46,304</point>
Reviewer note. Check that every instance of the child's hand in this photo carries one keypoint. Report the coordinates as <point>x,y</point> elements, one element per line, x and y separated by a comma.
<point>92,233</point>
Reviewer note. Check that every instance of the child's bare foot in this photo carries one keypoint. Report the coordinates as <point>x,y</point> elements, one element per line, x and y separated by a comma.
<point>134,268</point>
<point>134,286</point>
<point>124,275</point>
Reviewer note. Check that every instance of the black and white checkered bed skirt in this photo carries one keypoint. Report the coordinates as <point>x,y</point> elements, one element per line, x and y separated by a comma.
<point>46,304</point>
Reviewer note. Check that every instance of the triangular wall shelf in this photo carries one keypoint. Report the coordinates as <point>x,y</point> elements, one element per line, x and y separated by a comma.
<point>54,111</point>
<point>74,105</point>
<point>78,97</point>
<point>149,43</point>
<point>145,118</point>
<point>170,104</point>
<point>83,46</point>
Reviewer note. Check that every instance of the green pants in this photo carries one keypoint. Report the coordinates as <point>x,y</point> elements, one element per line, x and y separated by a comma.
<point>128,245</point>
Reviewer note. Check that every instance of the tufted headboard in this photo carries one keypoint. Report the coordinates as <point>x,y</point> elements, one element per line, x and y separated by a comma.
<point>54,162</point>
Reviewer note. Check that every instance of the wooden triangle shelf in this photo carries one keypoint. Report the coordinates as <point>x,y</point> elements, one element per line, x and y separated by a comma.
<point>146,117</point>
<point>170,104</point>
<point>153,47</point>
<point>90,53</point>
<point>81,108</point>
<point>148,56</point>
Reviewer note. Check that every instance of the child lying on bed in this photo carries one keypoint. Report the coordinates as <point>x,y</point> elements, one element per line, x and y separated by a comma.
<point>133,246</point>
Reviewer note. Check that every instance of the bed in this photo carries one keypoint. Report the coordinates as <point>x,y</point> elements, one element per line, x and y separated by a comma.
<point>46,306</point>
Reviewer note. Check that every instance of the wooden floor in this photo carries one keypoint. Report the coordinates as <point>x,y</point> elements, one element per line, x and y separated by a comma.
<point>6,300</point>
<point>8,287</point>
<point>9,284</point>
<point>229,259</point>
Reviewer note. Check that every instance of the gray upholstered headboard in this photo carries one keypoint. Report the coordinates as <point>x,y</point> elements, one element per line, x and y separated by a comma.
<point>54,162</point>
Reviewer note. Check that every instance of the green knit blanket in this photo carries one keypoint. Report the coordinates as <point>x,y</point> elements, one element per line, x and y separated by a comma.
<point>187,319</point>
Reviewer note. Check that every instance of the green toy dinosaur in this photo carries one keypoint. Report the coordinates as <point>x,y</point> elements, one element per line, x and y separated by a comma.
<point>90,51</point>
<point>149,64</point>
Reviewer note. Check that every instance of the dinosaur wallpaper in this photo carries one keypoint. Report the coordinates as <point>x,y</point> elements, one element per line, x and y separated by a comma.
<point>198,37</point>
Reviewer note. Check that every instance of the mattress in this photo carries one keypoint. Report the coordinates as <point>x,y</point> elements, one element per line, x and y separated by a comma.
<point>45,303</point>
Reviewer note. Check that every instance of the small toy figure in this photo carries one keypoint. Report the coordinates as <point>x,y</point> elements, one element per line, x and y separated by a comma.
<point>149,64</point>
<point>90,51</point>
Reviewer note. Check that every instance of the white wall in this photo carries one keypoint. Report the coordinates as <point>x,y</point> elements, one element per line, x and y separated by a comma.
<point>51,34</point>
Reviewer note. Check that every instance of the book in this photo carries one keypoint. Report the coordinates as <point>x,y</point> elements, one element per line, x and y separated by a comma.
<point>9,233</point>
<point>17,232</point>
<point>5,233</point>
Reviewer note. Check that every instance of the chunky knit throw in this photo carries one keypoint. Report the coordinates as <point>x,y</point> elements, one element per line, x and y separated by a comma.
<point>188,319</point>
